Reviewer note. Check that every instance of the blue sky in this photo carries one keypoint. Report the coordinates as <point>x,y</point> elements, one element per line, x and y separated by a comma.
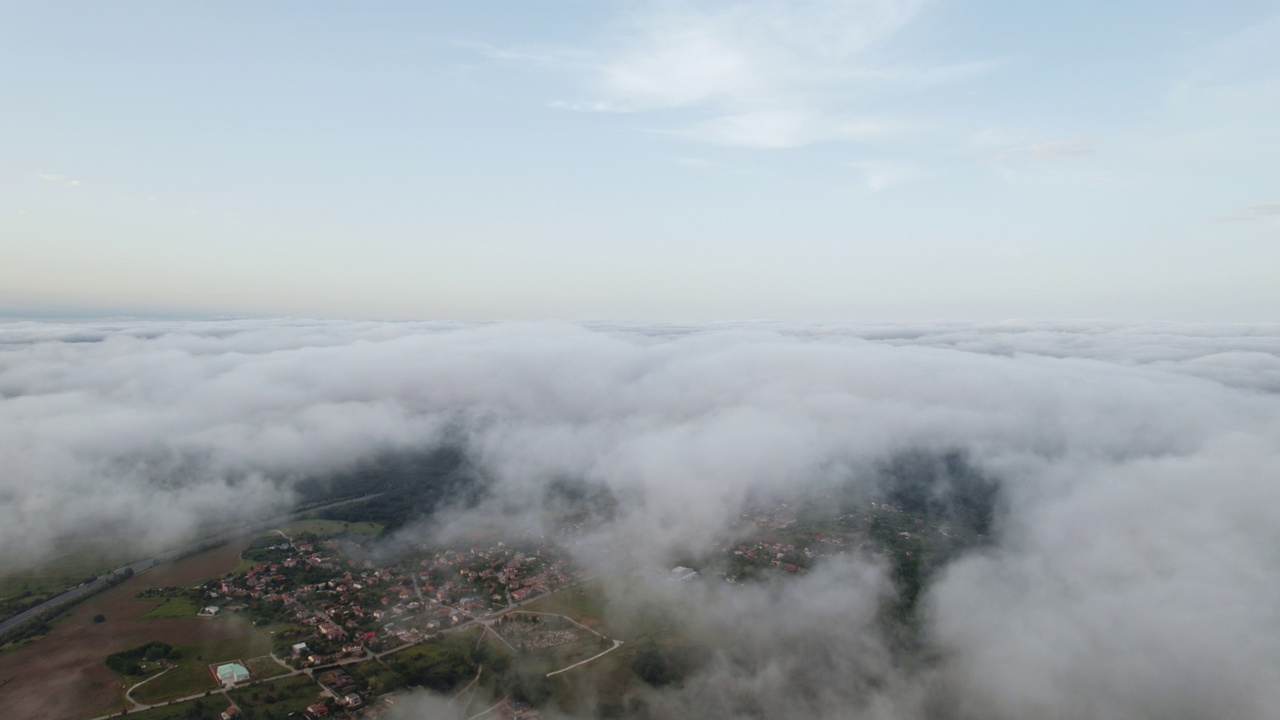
<point>670,160</point>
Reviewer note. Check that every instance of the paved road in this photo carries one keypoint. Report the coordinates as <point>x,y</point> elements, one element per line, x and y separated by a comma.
<point>87,589</point>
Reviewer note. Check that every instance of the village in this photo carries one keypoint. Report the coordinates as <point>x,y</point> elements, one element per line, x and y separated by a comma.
<point>328,609</point>
<point>337,615</point>
<point>784,537</point>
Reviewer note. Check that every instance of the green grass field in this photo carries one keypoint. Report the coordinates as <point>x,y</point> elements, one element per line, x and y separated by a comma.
<point>372,675</point>
<point>171,607</point>
<point>332,528</point>
<point>320,528</point>
<point>585,603</point>
<point>264,667</point>
<point>187,678</point>
<point>277,698</point>
<point>605,682</point>
<point>191,674</point>
<point>243,566</point>
<point>441,664</point>
<point>209,708</point>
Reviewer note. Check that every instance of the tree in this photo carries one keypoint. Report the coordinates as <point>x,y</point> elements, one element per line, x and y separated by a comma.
<point>99,618</point>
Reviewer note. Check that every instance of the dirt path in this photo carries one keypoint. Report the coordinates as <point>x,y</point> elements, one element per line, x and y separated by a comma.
<point>62,675</point>
<point>616,644</point>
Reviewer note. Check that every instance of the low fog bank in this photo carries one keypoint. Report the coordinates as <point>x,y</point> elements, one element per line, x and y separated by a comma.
<point>1131,565</point>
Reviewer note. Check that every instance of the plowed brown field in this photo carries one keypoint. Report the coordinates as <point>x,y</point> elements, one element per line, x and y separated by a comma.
<point>62,675</point>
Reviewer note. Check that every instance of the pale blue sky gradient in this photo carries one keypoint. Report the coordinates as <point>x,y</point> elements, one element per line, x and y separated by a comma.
<point>670,160</point>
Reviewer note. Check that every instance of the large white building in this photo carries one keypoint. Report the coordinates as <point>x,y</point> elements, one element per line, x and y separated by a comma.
<point>232,673</point>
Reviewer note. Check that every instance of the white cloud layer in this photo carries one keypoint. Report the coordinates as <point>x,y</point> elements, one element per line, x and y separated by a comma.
<point>1133,573</point>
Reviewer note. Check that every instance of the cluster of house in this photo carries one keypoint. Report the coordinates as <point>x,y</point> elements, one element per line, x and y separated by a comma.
<point>480,578</point>
<point>778,554</point>
<point>339,683</point>
<point>853,531</point>
<point>346,607</point>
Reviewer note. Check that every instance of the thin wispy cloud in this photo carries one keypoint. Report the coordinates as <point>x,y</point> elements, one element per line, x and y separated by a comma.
<point>62,180</point>
<point>1045,151</point>
<point>754,74</point>
<point>1262,212</point>
<point>1242,67</point>
<point>880,175</point>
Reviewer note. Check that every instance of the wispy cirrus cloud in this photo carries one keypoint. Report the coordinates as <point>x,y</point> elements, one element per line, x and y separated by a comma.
<point>765,75</point>
<point>752,74</point>
<point>62,180</point>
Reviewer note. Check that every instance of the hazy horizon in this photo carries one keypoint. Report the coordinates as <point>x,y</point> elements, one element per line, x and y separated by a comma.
<point>847,160</point>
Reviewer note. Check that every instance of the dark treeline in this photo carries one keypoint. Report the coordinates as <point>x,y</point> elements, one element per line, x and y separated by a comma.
<point>943,488</point>
<point>127,662</point>
<point>412,485</point>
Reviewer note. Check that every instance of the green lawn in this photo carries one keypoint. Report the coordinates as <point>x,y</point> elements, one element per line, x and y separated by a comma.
<point>173,606</point>
<point>277,698</point>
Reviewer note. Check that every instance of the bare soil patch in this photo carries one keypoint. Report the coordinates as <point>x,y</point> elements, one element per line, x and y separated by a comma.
<point>62,675</point>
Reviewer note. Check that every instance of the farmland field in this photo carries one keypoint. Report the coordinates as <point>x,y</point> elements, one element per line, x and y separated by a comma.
<point>63,674</point>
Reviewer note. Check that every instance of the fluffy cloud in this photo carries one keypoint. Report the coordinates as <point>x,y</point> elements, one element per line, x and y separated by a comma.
<point>1131,574</point>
